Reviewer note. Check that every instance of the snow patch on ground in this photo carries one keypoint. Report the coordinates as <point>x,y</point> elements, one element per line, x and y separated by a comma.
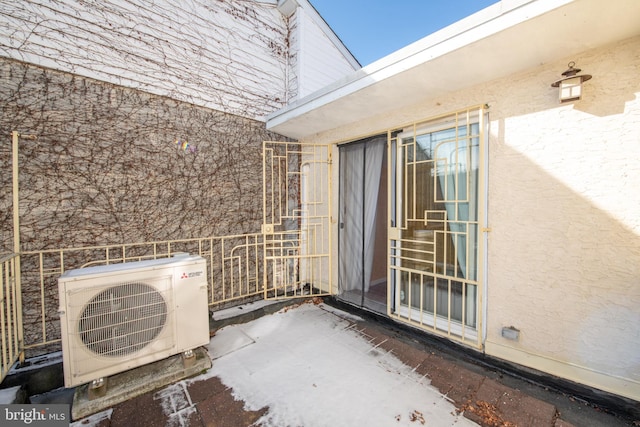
<point>176,404</point>
<point>228,340</point>
<point>37,362</point>
<point>8,395</point>
<point>312,368</point>
<point>341,313</point>
<point>238,310</point>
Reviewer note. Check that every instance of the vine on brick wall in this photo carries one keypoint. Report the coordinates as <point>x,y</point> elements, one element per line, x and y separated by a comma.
<point>105,167</point>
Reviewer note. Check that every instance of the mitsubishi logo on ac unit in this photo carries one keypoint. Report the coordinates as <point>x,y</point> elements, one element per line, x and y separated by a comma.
<point>191,274</point>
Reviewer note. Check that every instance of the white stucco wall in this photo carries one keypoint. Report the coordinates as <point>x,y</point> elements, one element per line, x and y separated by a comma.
<point>563,200</point>
<point>564,251</point>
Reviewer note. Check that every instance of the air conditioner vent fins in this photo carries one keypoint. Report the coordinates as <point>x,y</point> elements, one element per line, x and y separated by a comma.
<point>122,319</point>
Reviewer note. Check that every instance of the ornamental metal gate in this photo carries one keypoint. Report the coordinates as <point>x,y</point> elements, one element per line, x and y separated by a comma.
<point>437,211</point>
<point>296,219</point>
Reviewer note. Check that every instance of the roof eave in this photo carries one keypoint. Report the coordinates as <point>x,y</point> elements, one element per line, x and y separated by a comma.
<point>482,47</point>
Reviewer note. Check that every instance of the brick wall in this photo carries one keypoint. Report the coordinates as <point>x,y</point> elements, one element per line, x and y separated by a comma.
<point>105,167</point>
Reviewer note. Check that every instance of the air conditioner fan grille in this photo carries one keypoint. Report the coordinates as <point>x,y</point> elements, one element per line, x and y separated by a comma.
<point>122,319</point>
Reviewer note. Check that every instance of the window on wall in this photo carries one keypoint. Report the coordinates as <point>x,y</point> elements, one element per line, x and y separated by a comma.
<point>446,181</point>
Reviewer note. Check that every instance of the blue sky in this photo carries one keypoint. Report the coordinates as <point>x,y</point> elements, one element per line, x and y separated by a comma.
<point>372,29</point>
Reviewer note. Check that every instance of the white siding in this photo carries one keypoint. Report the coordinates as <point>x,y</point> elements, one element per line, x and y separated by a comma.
<point>320,61</point>
<point>229,55</point>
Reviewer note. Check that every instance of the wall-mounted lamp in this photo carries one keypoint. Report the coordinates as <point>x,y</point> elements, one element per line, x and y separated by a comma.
<point>571,84</point>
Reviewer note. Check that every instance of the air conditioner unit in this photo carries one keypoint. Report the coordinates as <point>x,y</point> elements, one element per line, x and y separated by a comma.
<point>121,316</point>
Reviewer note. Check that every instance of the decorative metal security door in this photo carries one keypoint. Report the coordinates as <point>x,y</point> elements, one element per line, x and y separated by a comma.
<point>296,219</point>
<point>437,211</point>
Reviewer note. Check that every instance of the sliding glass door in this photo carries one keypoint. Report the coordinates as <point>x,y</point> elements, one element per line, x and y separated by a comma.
<point>362,231</point>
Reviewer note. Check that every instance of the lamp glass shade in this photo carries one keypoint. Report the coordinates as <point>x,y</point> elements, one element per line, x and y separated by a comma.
<point>570,89</point>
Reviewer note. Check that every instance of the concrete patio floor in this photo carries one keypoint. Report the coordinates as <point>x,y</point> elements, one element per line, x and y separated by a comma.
<point>314,365</point>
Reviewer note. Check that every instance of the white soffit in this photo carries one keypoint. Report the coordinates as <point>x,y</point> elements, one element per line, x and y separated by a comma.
<point>505,38</point>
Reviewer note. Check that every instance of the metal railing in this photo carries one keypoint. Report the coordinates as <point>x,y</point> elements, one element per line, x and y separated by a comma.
<point>10,312</point>
<point>237,269</point>
<point>234,272</point>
